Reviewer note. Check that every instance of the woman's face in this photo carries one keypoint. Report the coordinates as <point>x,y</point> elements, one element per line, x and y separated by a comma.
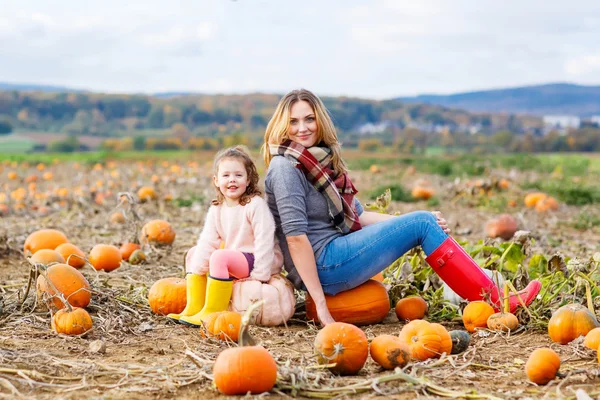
<point>303,124</point>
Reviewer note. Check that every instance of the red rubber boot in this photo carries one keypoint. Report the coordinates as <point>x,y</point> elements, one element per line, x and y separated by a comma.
<point>462,274</point>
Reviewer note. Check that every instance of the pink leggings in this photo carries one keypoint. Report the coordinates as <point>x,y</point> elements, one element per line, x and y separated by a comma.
<point>227,263</point>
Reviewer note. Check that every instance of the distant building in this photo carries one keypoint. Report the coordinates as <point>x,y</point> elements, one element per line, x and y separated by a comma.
<point>370,128</point>
<point>595,119</point>
<point>562,121</point>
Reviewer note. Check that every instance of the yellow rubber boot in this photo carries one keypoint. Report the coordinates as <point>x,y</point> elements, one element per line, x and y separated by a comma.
<point>195,293</point>
<point>218,294</point>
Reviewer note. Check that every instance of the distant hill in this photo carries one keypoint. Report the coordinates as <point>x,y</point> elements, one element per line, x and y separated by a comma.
<point>554,98</point>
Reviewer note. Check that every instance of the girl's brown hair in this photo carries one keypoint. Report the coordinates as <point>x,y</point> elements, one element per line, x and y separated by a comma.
<point>240,154</point>
<point>279,125</point>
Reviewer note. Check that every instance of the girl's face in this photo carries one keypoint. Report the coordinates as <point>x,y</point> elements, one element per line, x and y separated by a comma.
<point>232,180</point>
<point>303,124</point>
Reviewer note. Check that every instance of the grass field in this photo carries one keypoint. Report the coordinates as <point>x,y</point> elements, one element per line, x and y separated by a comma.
<point>10,145</point>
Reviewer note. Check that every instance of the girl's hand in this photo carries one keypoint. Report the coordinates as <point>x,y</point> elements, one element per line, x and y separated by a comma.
<point>441,221</point>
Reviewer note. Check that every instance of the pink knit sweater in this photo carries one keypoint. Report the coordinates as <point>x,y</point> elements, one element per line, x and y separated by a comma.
<point>248,228</point>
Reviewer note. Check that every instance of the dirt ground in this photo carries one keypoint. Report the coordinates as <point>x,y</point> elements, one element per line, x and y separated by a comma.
<point>142,355</point>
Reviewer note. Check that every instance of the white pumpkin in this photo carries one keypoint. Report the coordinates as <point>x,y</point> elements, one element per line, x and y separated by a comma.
<point>278,293</point>
<point>455,299</point>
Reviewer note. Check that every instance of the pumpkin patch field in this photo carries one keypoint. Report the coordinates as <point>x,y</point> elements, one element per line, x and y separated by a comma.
<point>92,260</point>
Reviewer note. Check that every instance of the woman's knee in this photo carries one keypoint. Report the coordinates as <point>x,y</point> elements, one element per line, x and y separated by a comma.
<point>425,216</point>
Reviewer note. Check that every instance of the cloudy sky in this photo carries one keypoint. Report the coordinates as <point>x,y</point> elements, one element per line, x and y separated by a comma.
<point>371,48</point>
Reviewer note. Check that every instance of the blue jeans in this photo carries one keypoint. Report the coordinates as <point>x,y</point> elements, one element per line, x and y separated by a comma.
<point>351,260</point>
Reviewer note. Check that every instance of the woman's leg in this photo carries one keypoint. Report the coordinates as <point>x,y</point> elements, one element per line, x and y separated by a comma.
<point>350,260</point>
<point>227,263</point>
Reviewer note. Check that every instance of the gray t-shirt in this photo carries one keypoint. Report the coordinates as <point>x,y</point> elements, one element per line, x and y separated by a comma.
<point>298,208</point>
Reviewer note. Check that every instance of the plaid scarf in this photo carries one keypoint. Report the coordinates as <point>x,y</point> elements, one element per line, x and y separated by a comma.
<point>316,163</point>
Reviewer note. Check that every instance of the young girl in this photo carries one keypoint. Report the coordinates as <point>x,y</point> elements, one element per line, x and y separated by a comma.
<point>240,218</point>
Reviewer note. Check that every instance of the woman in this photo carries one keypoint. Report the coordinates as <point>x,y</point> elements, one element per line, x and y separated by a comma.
<point>330,244</point>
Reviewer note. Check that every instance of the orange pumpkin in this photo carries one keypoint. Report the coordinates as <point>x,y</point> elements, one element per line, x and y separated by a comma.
<point>73,321</point>
<point>240,370</point>
<point>117,218</point>
<point>422,193</point>
<point>157,232</point>
<point>569,322</point>
<point>389,351</point>
<point>168,296</point>
<point>105,257</point>
<point>44,239</point>
<point>445,339</point>
<point>366,304</point>
<point>128,248</point>
<point>69,282</point>
<point>476,314</point>
<point>503,322</point>
<point>532,198</point>
<point>422,338</point>
<point>47,256</point>
<point>72,254</point>
<point>146,193</point>
<point>592,339</point>
<point>410,308</point>
<point>546,204</point>
<point>224,325</point>
<point>542,366</point>
<point>503,227</point>
<point>344,345</point>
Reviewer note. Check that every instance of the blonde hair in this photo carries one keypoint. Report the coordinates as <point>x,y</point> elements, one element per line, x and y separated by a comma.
<point>240,154</point>
<point>279,125</point>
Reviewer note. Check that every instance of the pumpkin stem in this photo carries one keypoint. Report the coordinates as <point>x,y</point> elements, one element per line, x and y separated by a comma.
<point>588,295</point>
<point>244,336</point>
<point>506,298</point>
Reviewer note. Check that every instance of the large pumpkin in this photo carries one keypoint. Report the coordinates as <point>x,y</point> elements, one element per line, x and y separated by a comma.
<point>344,345</point>
<point>73,321</point>
<point>422,338</point>
<point>168,296</point>
<point>278,293</point>
<point>569,322</point>
<point>44,239</point>
<point>366,304</point>
<point>69,282</point>
<point>240,370</point>
<point>157,232</point>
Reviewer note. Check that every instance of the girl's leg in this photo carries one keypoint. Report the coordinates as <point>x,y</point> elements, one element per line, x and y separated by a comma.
<point>227,263</point>
<point>350,260</point>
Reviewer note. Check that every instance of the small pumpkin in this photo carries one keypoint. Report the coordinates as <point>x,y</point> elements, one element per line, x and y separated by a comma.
<point>366,304</point>
<point>592,339</point>
<point>224,325</point>
<point>69,282</point>
<point>71,321</point>
<point>569,322</point>
<point>46,257</point>
<point>532,198</point>
<point>168,296</point>
<point>542,366</point>
<point>157,232</point>
<point>503,322</point>
<point>445,338</point>
<point>422,338</point>
<point>344,345</point>
<point>239,370</point>
<point>128,248</point>
<point>503,227</point>
<point>389,351</point>
<point>460,341</point>
<point>137,257</point>
<point>72,254</point>
<point>44,239</point>
<point>422,193</point>
<point>410,308</point>
<point>476,314</point>
<point>546,204</point>
<point>105,257</point>
<point>117,218</point>
<point>146,193</point>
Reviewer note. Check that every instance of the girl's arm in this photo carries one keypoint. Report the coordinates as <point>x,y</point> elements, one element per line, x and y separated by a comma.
<point>263,227</point>
<point>208,242</point>
<point>303,256</point>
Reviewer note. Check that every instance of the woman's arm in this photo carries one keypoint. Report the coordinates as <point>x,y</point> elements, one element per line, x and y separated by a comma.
<point>303,257</point>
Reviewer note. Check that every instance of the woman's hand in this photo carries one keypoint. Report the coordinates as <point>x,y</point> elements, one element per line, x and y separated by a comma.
<point>324,315</point>
<point>441,221</point>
